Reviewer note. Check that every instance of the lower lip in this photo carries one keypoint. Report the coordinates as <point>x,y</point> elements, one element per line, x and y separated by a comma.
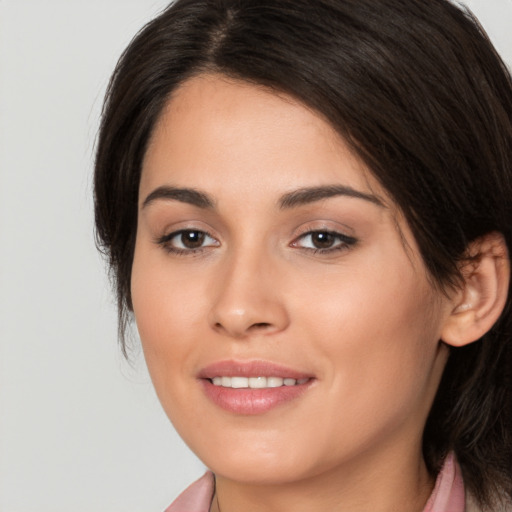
<point>249,401</point>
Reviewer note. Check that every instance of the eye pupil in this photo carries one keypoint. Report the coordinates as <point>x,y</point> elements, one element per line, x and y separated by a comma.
<point>322,240</point>
<point>192,239</point>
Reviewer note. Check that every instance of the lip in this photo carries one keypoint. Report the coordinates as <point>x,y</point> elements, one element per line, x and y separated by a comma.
<point>247,401</point>
<point>256,368</point>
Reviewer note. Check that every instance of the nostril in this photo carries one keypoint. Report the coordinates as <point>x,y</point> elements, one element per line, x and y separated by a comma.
<point>260,325</point>
<point>241,331</point>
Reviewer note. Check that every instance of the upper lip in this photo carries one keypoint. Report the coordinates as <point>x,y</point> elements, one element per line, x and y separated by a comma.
<point>255,368</point>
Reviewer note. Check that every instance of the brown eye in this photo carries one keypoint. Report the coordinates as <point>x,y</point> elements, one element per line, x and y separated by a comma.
<point>187,241</point>
<point>322,240</point>
<point>192,239</point>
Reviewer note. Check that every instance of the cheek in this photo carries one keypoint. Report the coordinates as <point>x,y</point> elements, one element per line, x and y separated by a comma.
<point>166,313</point>
<point>165,298</point>
<point>379,329</point>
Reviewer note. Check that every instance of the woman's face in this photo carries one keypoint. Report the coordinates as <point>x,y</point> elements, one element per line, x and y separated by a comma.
<point>286,317</point>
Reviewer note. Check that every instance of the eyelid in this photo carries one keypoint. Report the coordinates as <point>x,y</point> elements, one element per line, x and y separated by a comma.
<point>165,241</point>
<point>342,241</point>
<point>341,236</point>
<point>324,226</point>
<point>180,231</point>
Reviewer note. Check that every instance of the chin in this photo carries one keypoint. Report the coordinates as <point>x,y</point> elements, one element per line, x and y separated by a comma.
<point>260,461</point>
<point>260,472</point>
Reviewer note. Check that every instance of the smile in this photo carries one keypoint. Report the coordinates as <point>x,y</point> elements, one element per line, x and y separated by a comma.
<point>253,387</point>
<point>256,382</point>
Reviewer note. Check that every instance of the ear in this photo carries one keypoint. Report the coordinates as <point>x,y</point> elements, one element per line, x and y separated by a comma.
<point>478,304</point>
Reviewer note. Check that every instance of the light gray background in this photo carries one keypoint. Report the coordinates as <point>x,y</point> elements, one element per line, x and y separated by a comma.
<point>80,429</point>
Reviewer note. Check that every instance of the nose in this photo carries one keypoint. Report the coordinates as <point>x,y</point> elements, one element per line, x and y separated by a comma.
<point>248,298</point>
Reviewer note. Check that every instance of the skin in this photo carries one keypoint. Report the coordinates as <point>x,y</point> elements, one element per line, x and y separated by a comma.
<point>362,318</point>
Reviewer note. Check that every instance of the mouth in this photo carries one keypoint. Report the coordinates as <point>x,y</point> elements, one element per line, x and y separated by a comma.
<point>253,387</point>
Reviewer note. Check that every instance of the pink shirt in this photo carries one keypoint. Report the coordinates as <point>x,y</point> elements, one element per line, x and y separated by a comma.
<point>447,496</point>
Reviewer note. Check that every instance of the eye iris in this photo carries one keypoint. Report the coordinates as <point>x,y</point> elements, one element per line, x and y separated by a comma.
<point>322,240</point>
<point>192,239</point>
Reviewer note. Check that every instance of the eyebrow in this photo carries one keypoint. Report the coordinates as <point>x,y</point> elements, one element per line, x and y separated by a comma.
<point>293,199</point>
<point>183,195</point>
<point>309,195</point>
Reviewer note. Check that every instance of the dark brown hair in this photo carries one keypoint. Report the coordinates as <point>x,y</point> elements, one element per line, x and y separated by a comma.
<point>417,90</point>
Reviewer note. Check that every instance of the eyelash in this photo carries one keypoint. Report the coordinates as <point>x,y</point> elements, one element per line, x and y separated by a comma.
<point>166,242</point>
<point>342,241</point>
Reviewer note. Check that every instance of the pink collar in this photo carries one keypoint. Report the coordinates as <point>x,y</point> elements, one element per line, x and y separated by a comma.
<point>448,493</point>
<point>196,497</point>
<point>447,496</point>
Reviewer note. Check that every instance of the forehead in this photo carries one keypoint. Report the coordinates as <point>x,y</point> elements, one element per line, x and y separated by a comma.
<point>215,129</point>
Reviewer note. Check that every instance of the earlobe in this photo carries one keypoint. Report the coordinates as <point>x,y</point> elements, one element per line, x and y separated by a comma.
<point>483,294</point>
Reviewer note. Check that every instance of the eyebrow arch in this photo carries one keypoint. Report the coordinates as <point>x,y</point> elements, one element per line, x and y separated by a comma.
<point>183,195</point>
<point>309,195</point>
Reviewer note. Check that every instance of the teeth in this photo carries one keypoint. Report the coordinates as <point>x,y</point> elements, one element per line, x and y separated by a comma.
<point>238,382</point>
<point>256,382</point>
<point>274,382</point>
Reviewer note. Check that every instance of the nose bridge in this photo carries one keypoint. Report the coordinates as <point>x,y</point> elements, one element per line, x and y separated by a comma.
<point>247,299</point>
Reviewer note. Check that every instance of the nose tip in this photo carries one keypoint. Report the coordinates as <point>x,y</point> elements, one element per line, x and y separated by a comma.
<point>248,304</point>
<point>242,323</point>
<point>238,325</point>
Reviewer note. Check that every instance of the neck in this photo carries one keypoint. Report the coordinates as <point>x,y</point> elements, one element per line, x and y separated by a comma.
<point>391,484</point>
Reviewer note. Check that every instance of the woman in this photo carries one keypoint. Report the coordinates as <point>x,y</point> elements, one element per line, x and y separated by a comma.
<point>307,208</point>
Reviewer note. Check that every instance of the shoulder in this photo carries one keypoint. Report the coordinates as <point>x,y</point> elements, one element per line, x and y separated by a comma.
<point>197,497</point>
